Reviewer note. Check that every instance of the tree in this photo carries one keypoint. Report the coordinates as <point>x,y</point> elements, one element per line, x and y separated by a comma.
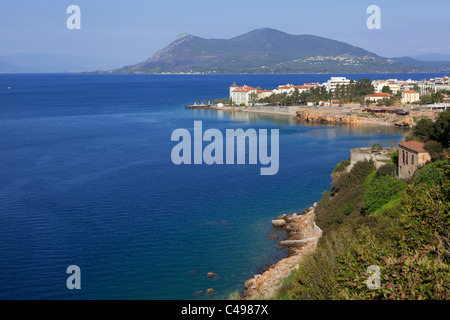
<point>253,97</point>
<point>377,147</point>
<point>441,130</point>
<point>386,89</point>
<point>423,130</point>
<point>434,148</point>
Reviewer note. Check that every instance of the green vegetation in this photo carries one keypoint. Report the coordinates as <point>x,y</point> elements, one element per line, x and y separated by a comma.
<point>340,167</point>
<point>352,92</point>
<point>380,192</point>
<point>371,218</point>
<point>436,97</point>
<point>426,130</point>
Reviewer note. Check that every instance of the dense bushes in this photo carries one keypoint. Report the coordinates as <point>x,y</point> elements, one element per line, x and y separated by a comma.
<point>381,191</point>
<point>432,174</point>
<point>389,169</point>
<point>426,130</point>
<point>341,166</point>
<point>411,249</point>
<point>346,196</point>
<point>372,219</point>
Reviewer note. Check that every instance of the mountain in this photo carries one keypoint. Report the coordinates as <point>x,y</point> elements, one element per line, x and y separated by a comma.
<point>424,66</point>
<point>48,63</point>
<point>270,51</point>
<point>432,57</point>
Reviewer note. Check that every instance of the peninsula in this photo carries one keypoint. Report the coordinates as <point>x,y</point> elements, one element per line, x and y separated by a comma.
<point>340,100</point>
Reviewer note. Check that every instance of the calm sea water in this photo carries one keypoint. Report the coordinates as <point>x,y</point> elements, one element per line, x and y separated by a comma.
<point>86,179</point>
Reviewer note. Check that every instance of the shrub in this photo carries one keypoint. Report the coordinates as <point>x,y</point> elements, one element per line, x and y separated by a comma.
<point>377,147</point>
<point>340,167</point>
<point>423,130</point>
<point>381,191</point>
<point>388,169</point>
<point>434,148</point>
<point>442,128</point>
<point>432,173</point>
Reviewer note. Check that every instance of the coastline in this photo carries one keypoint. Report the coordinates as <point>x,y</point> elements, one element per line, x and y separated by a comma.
<point>302,233</point>
<point>331,115</point>
<point>302,236</point>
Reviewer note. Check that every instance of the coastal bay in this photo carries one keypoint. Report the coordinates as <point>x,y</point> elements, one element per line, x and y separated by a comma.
<point>90,182</point>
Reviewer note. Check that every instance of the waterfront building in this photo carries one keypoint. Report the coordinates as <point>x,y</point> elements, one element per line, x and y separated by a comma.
<point>263,93</point>
<point>243,95</point>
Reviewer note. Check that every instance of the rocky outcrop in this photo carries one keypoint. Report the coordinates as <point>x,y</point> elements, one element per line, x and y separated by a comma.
<point>302,235</point>
<point>335,116</point>
<point>329,117</point>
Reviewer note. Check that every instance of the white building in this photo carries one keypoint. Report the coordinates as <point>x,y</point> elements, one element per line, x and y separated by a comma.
<point>393,85</point>
<point>335,81</point>
<point>410,96</point>
<point>243,95</point>
<point>290,88</point>
<point>378,96</point>
<point>264,93</point>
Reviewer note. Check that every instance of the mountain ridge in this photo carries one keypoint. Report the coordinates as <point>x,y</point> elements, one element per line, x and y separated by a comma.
<point>267,50</point>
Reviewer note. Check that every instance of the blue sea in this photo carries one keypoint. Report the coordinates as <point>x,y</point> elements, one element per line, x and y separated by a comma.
<point>86,179</point>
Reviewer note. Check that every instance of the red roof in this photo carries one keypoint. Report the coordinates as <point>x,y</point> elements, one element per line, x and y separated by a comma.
<point>284,87</point>
<point>410,91</point>
<point>414,146</point>
<point>378,95</point>
<point>243,89</point>
<point>301,87</point>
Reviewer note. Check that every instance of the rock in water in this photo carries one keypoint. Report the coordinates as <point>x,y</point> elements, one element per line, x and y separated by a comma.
<point>278,223</point>
<point>212,275</point>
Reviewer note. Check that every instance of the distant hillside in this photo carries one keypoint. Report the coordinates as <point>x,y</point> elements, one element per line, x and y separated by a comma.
<point>430,66</point>
<point>48,63</point>
<point>271,51</point>
<point>432,57</point>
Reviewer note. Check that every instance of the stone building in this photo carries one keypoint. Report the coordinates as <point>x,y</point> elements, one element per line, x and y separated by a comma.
<point>411,156</point>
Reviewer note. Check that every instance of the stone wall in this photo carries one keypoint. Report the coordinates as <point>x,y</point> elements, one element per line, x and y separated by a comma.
<point>286,109</point>
<point>379,158</point>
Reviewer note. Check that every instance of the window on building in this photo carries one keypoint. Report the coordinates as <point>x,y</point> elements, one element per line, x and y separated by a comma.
<point>412,159</point>
<point>406,158</point>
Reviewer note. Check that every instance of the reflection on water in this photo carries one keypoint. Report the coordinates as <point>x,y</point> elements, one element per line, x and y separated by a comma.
<point>289,120</point>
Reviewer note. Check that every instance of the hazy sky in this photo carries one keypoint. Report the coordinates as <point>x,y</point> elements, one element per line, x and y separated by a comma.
<point>131,31</point>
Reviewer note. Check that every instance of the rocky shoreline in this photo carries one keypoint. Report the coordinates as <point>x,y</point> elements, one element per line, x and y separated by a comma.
<point>302,235</point>
<point>353,118</point>
<point>335,115</point>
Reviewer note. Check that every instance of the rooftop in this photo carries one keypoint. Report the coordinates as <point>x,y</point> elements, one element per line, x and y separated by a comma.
<point>414,146</point>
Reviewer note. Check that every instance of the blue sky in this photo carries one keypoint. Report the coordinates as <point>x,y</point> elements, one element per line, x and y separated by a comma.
<point>131,31</point>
